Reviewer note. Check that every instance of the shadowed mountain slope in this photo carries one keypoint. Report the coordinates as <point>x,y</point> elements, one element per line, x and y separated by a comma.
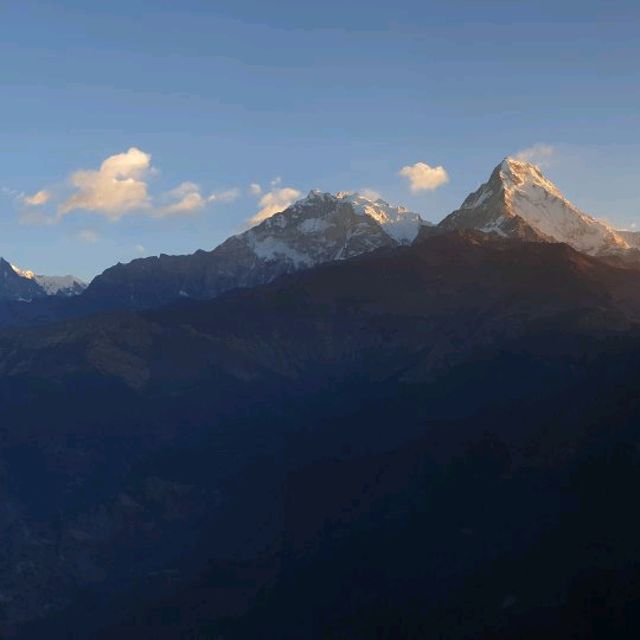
<point>441,427</point>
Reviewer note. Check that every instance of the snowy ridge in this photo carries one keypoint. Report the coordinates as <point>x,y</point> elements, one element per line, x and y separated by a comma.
<point>53,285</point>
<point>323,227</point>
<point>400,223</point>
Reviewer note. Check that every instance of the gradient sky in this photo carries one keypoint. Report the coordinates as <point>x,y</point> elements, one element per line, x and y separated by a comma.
<point>330,95</point>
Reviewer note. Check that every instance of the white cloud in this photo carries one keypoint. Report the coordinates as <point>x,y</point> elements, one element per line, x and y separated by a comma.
<point>274,202</point>
<point>140,249</point>
<point>119,187</point>
<point>11,193</point>
<point>88,236</point>
<point>423,177</point>
<point>116,188</point>
<point>224,196</point>
<point>185,198</point>
<point>37,199</point>
<point>35,217</point>
<point>538,154</point>
<point>255,189</point>
<point>370,194</point>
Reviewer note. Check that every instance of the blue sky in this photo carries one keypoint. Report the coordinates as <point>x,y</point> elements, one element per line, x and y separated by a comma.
<point>217,96</point>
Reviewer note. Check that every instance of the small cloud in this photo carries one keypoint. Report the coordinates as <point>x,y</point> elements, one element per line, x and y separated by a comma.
<point>36,218</point>
<point>140,250</point>
<point>423,177</point>
<point>276,182</point>
<point>186,199</point>
<point>370,194</point>
<point>88,236</point>
<point>116,188</point>
<point>37,199</point>
<point>255,189</point>
<point>8,192</point>
<point>224,196</point>
<point>538,154</point>
<point>274,202</point>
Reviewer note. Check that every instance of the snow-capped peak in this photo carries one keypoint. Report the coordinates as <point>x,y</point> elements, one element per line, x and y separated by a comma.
<point>518,200</point>
<point>53,285</point>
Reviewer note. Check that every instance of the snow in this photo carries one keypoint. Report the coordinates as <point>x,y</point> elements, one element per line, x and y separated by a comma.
<point>518,189</point>
<point>271,248</point>
<point>495,226</point>
<point>314,225</point>
<point>483,196</point>
<point>23,272</point>
<point>52,285</point>
<point>540,203</point>
<point>321,228</point>
<point>399,223</point>
<point>312,198</point>
<point>56,284</point>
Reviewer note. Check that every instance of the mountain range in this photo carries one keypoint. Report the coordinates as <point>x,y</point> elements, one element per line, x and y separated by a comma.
<point>517,201</point>
<point>342,423</point>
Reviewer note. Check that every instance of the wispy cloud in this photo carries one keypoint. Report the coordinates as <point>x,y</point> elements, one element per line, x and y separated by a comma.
<point>224,196</point>
<point>185,198</point>
<point>88,236</point>
<point>423,177</point>
<point>36,217</point>
<point>38,199</point>
<point>539,154</point>
<point>370,194</point>
<point>8,192</point>
<point>274,201</point>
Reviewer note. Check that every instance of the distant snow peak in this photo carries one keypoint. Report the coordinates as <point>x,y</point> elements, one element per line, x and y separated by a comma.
<point>53,285</point>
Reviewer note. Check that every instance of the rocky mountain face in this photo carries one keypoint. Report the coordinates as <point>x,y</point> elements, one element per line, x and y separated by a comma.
<point>320,228</point>
<point>236,461</point>
<point>17,285</point>
<point>519,202</point>
<point>507,286</point>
